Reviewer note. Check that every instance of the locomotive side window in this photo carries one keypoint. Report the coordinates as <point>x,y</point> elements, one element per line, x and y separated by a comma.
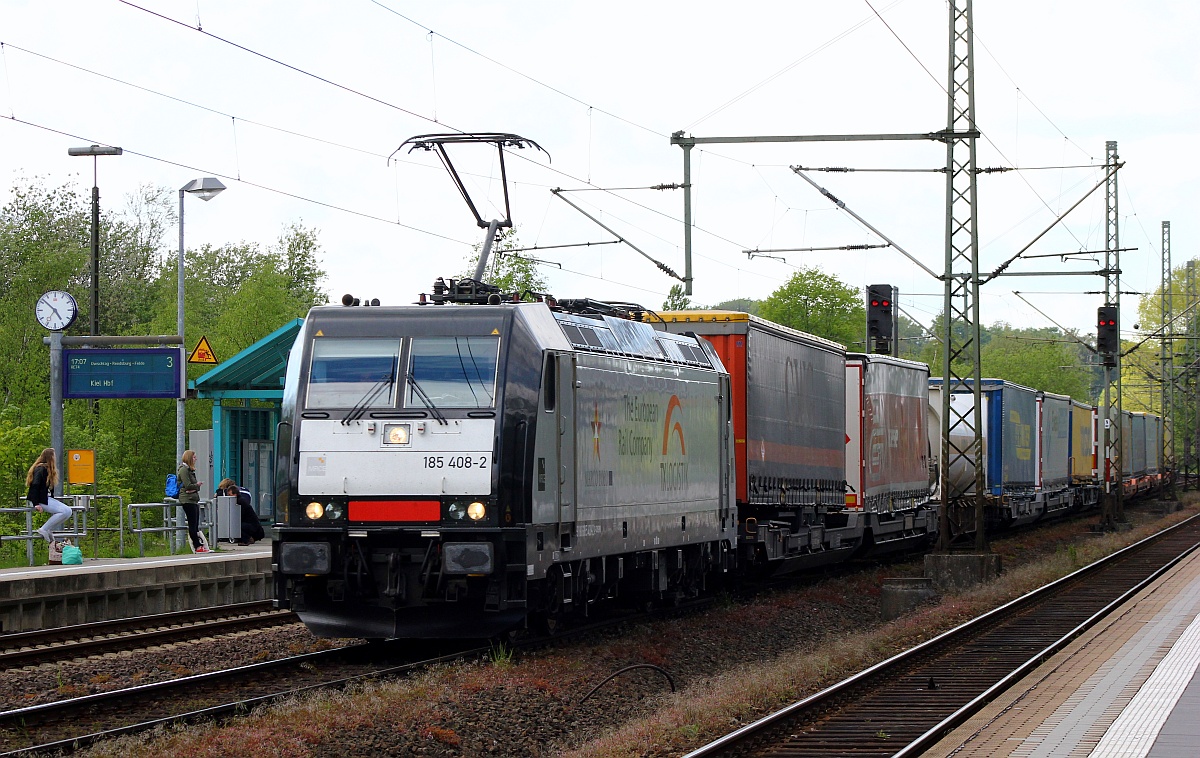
<point>347,373</point>
<point>453,372</point>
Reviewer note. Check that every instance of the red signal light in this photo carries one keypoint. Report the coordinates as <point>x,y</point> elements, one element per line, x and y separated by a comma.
<point>886,303</point>
<point>874,302</point>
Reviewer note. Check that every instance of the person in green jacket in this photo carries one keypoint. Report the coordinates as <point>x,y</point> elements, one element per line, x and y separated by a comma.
<point>189,498</point>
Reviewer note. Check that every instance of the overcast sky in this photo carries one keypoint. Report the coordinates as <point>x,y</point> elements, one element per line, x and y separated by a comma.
<point>306,137</point>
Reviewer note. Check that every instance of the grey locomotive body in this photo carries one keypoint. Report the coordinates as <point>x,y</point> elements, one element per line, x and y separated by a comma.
<point>456,471</point>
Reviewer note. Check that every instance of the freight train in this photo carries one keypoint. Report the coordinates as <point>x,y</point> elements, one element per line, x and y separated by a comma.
<point>463,471</point>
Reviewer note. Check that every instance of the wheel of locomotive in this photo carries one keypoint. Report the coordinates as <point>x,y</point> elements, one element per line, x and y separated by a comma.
<point>550,619</point>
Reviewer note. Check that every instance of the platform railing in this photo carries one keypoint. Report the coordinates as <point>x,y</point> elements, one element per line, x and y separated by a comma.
<point>91,501</point>
<point>77,532</point>
<point>174,524</point>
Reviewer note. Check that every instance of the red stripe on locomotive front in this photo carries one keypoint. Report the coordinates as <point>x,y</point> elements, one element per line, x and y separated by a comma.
<point>395,510</point>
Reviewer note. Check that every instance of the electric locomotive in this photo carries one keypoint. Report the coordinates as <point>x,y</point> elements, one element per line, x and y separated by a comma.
<point>455,471</point>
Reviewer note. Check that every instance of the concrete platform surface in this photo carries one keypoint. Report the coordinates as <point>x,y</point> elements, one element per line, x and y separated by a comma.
<point>41,597</point>
<point>1127,687</point>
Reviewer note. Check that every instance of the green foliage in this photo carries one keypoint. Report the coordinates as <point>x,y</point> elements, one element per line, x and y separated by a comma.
<point>1045,359</point>
<point>818,303</point>
<point>511,272</point>
<point>914,338</point>
<point>742,304</point>
<point>676,300</point>
<point>43,246</point>
<point>501,655</point>
<point>235,295</point>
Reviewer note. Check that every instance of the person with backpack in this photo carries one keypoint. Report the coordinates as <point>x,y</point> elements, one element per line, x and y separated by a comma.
<point>41,480</point>
<point>189,498</point>
<point>252,530</point>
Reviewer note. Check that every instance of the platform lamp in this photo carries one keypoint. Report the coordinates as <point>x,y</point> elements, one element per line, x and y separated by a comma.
<point>94,151</point>
<point>206,189</point>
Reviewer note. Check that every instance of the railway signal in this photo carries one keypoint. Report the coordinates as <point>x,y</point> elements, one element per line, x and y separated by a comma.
<point>880,321</point>
<point>1108,339</point>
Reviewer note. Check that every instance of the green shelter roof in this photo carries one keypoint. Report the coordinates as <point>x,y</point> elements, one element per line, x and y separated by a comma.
<point>256,372</point>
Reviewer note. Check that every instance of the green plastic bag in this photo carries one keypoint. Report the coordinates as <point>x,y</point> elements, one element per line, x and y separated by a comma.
<point>72,555</point>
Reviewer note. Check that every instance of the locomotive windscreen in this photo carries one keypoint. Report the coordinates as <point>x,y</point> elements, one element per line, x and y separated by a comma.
<point>455,372</point>
<point>347,372</point>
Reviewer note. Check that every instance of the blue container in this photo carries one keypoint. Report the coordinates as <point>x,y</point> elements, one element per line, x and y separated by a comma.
<point>1009,434</point>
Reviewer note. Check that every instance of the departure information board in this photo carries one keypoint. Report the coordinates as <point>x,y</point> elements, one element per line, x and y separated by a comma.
<point>146,372</point>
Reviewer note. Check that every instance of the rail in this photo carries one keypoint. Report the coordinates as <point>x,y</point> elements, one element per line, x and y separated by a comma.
<point>922,740</point>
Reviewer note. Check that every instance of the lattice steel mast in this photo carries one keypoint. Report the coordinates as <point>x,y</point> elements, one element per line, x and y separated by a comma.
<point>1167,367</point>
<point>1191,386</point>
<point>961,280</point>
<point>1114,506</point>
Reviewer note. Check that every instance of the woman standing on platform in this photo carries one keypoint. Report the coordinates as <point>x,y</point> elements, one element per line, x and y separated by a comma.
<point>189,498</point>
<point>41,480</point>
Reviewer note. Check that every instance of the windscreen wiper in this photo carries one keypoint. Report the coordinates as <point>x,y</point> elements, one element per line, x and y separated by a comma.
<point>361,406</point>
<point>424,398</point>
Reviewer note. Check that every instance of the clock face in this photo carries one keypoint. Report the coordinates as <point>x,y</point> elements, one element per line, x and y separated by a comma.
<point>56,310</point>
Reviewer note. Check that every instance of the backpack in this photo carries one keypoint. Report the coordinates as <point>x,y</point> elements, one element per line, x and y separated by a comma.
<point>172,486</point>
<point>71,555</point>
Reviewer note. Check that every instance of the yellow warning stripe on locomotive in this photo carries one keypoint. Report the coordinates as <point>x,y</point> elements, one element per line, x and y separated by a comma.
<point>698,316</point>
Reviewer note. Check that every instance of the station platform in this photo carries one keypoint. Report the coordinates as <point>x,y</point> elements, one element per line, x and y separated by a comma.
<point>43,597</point>
<point>1126,687</point>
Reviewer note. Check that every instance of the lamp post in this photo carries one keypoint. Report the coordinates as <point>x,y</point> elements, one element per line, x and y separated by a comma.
<point>95,151</point>
<point>206,189</point>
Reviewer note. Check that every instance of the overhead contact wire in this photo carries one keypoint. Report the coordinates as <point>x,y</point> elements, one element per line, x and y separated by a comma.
<point>374,99</point>
<point>268,188</point>
<point>276,61</point>
<point>510,69</point>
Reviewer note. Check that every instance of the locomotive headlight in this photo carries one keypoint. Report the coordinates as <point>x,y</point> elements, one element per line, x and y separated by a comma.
<point>334,511</point>
<point>456,511</point>
<point>476,510</point>
<point>396,434</point>
<point>314,510</point>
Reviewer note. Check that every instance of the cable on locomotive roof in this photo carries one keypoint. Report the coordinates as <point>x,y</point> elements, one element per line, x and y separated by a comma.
<point>586,306</point>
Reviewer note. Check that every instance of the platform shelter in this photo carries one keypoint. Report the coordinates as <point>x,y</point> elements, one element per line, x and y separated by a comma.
<point>247,394</point>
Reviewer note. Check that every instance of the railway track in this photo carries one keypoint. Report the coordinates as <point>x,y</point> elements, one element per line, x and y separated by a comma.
<point>67,725</point>
<point>903,705</point>
<point>66,643</point>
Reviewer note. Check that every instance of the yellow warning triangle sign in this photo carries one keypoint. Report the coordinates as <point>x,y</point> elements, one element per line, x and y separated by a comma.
<point>203,353</point>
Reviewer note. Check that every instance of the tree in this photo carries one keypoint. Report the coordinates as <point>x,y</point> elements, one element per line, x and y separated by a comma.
<point>818,303</point>
<point>913,338</point>
<point>676,300</point>
<point>235,295</point>
<point>44,243</point>
<point>509,271</point>
<point>742,304</point>
<point>1045,359</point>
